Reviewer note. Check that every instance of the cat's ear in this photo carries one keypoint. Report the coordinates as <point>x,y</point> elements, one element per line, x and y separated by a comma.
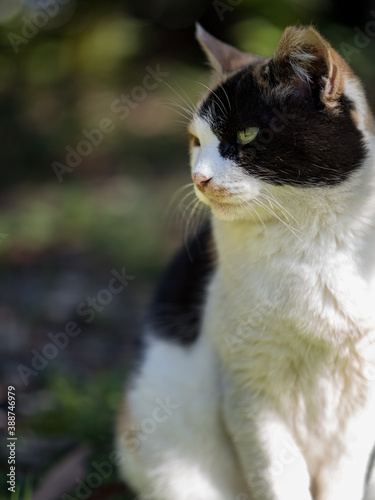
<point>304,61</point>
<point>222,57</point>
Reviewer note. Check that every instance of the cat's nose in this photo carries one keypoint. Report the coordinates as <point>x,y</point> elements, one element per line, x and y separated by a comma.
<point>201,181</point>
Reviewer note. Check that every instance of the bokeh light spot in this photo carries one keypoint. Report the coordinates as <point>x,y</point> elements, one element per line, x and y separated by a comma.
<point>9,9</point>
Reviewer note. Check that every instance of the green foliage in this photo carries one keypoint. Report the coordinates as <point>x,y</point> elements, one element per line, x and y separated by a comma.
<point>83,409</point>
<point>119,219</point>
<point>24,492</point>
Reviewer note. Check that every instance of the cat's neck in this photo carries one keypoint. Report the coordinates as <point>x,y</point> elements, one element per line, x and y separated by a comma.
<point>321,225</point>
<point>326,258</point>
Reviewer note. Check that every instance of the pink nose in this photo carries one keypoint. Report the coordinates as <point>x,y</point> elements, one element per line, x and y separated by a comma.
<point>201,181</point>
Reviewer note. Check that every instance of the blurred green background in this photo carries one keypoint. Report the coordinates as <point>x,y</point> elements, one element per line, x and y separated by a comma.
<point>67,69</point>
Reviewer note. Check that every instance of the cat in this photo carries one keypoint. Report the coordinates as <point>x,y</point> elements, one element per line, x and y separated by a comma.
<point>256,379</point>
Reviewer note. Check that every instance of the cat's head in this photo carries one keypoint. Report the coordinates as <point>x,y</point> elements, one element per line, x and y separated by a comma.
<point>296,122</point>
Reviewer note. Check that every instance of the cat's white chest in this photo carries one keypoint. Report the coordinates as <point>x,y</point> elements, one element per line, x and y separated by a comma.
<point>289,331</point>
<point>270,359</point>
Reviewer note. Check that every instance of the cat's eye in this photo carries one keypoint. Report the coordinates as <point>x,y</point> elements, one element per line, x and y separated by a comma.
<point>194,141</point>
<point>247,135</point>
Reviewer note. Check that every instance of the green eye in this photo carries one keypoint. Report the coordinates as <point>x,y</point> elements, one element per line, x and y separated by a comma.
<point>247,135</point>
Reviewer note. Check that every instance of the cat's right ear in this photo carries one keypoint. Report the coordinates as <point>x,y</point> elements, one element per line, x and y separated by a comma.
<point>304,61</point>
<point>222,56</point>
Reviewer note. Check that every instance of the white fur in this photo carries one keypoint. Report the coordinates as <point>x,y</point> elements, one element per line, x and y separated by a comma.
<point>188,455</point>
<point>286,356</point>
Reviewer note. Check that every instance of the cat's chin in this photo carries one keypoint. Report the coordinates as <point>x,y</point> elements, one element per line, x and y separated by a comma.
<point>224,210</point>
<point>227,211</point>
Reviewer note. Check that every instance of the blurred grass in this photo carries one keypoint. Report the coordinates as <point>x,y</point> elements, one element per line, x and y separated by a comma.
<point>65,77</point>
<point>84,411</point>
<point>23,493</point>
<point>119,219</point>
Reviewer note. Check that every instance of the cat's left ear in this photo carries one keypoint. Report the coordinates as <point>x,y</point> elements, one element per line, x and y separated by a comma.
<point>304,61</point>
<point>223,57</point>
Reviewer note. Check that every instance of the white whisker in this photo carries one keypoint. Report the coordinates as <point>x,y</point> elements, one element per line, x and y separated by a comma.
<point>244,204</point>
<point>180,122</point>
<point>170,210</point>
<point>270,198</point>
<point>188,118</point>
<point>291,229</point>
<point>190,230</point>
<point>169,102</point>
<point>225,92</point>
<point>222,106</point>
<point>190,106</point>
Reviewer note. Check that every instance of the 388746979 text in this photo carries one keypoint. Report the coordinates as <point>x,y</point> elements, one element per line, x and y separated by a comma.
<point>11,439</point>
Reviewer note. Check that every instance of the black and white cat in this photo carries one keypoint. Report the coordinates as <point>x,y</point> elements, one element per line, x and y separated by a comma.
<point>257,376</point>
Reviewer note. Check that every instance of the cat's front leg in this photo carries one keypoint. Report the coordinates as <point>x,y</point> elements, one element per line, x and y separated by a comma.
<point>344,477</point>
<point>271,461</point>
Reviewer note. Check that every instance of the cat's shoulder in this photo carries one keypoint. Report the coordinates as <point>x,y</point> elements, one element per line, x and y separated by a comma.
<point>176,308</point>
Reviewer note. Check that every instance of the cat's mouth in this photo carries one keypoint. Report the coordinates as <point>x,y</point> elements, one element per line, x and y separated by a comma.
<point>224,206</point>
<point>210,197</point>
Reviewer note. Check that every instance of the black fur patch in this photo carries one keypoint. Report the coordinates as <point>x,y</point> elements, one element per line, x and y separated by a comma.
<point>175,311</point>
<point>300,141</point>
